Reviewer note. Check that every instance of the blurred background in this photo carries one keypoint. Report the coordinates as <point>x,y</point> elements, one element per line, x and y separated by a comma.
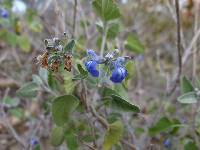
<point>146,30</point>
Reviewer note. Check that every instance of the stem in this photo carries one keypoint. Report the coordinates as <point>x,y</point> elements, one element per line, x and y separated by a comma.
<point>101,120</point>
<point>195,45</point>
<point>178,38</point>
<point>178,26</point>
<point>105,29</point>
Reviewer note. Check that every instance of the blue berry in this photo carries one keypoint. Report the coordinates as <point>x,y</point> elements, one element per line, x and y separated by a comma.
<point>92,54</point>
<point>4,13</point>
<point>120,61</point>
<point>91,67</point>
<point>34,142</point>
<point>167,143</point>
<point>118,74</point>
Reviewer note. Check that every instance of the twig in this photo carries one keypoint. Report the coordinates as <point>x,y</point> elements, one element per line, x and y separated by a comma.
<point>90,108</point>
<point>99,118</point>
<point>129,144</point>
<point>89,146</point>
<point>174,18</point>
<point>195,46</point>
<point>8,82</point>
<point>74,18</point>
<point>192,43</point>
<point>16,56</point>
<point>178,47</point>
<point>103,38</point>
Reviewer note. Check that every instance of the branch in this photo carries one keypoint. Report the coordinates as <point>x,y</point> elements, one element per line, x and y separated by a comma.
<point>101,120</point>
<point>105,29</point>
<point>177,80</point>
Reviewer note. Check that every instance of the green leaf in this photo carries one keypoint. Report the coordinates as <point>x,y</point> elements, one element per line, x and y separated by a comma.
<point>108,92</point>
<point>188,98</point>
<point>68,83</point>
<point>11,102</point>
<point>52,83</point>
<point>77,77</point>
<point>69,46</point>
<point>81,70</point>
<point>37,147</point>
<point>17,112</point>
<point>130,66</point>
<point>62,107</point>
<point>24,43</point>
<point>37,79</point>
<point>186,85</point>
<point>197,121</point>
<point>89,138</point>
<point>28,90</point>
<point>71,141</point>
<point>57,136</point>
<point>190,146</point>
<point>162,125</point>
<point>119,88</point>
<point>113,135</point>
<point>133,44</point>
<point>113,29</point>
<point>43,73</point>
<point>198,83</point>
<point>121,104</point>
<point>11,38</point>
<point>83,73</point>
<point>106,9</point>
<point>36,26</point>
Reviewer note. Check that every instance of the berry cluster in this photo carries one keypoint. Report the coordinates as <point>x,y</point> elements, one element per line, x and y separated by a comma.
<point>115,65</point>
<point>55,56</point>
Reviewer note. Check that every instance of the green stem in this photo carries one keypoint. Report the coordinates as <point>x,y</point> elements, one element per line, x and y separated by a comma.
<point>105,29</point>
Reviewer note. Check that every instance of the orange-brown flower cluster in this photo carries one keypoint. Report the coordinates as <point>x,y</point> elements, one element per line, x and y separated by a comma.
<point>55,56</point>
<point>53,65</point>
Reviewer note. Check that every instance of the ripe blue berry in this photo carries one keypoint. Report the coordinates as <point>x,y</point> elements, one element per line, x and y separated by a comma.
<point>4,13</point>
<point>34,142</point>
<point>91,67</point>
<point>118,74</point>
<point>120,61</point>
<point>92,54</point>
<point>167,143</point>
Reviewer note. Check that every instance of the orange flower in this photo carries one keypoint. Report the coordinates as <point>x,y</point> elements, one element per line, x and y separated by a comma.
<point>54,65</point>
<point>68,62</point>
<point>43,60</point>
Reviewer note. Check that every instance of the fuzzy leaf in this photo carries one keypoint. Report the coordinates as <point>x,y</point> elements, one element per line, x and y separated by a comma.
<point>121,104</point>
<point>162,125</point>
<point>133,44</point>
<point>28,90</point>
<point>62,107</point>
<point>106,9</point>
<point>188,98</point>
<point>113,135</point>
<point>57,136</point>
<point>24,43</point>
<point>69,46</point>
<point>186,85</point>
